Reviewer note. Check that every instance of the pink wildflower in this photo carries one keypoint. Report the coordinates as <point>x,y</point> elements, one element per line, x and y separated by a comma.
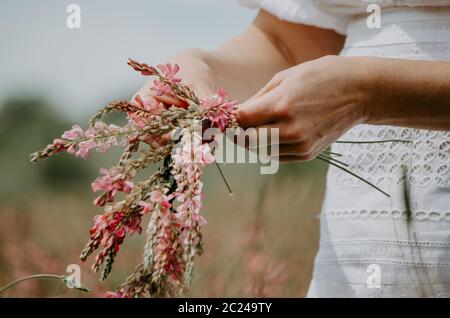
<point>146,207</point>
<point>160,88</point>
<point>73,134</point>
<point>169,71</point>
<point>221,111</point>
<point>84,148</point>
<point>169,100</point>
<point>110,181</point>
<point>144,111</point>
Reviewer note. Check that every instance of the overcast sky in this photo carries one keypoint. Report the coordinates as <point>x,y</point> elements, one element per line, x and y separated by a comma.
<point>80,69</point>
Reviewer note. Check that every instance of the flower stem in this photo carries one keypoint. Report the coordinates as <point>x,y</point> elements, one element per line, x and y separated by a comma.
<point>64,278</point>
<point>330,153</point>
<point>320,157</point>
<point>36,276</point>
<point>224,179</point>
<point>325,156</point>
<point>372,142</point>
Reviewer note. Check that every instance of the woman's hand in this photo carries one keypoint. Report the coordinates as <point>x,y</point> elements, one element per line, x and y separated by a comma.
<point>312,104</point>
<point>194,72</point>
<point>246,62</point>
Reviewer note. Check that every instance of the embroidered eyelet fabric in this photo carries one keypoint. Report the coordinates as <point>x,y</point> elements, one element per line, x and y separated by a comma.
<point>372,245</point>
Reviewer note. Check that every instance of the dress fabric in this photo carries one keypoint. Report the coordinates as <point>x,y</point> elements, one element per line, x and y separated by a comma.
<point>372,245</point>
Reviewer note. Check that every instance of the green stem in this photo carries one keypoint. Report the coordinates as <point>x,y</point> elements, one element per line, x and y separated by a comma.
<point>224,179</point>
<point>333,159</point>
<point>332,153</point>
<point>36,276</point>
<point>372,142</point>
<point>353,174</point>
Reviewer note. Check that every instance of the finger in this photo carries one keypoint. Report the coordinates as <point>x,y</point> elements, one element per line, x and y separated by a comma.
<point>287,158</point>
<point>262,140</point>
<point>270,135</point>
<point>271,85</point>
<point>280,132</point>
<point>266,136</point>
<point>146,96</point>
<point>258,111</point>
<point>296,149</point>
<point>171,100</point>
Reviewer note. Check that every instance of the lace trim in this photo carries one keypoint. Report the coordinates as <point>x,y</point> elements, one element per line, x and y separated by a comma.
<point>425,161</point>
<point>386,242</point>
<point>384,261</point>
<point>419,215</point>
<point>395,252</point>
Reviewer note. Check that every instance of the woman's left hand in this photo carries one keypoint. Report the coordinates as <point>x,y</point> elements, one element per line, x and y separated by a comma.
<point>312,104</point>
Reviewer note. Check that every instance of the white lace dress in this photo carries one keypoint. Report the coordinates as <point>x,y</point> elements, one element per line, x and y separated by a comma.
<point>371,245</point>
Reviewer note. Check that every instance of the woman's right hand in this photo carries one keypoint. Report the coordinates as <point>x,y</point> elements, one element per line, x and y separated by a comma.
<point>194,72</point>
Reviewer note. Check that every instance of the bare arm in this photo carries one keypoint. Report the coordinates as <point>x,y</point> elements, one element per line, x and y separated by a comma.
<point>245,63</point>
<point>409,93</point>
<point>315,103</point>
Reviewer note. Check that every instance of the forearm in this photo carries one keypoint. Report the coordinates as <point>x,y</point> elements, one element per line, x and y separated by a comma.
<point>409,93</point>
<point>244,64</point>
<point>247,62</point>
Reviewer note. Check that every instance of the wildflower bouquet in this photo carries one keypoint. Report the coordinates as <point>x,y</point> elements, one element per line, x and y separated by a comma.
<point>161,130</point>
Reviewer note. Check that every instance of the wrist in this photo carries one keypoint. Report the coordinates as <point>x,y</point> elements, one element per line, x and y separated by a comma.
<point>374,90</point>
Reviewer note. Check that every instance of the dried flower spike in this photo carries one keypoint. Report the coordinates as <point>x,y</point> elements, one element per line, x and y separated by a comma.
<point>171,197</point>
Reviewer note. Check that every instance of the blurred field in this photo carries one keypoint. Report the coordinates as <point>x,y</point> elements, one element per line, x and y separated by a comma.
<point>260,242</point>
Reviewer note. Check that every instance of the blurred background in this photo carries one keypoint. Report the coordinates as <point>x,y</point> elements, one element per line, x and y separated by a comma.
<point>259,243</point>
